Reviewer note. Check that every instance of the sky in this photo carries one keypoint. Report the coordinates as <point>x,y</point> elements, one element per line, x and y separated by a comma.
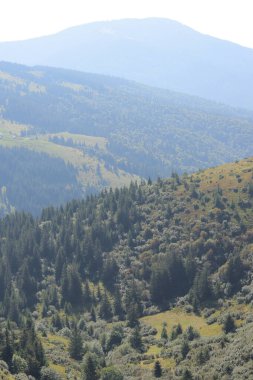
<point>226,19</point>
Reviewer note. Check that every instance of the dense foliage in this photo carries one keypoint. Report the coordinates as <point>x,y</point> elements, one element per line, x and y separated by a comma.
<point>150,132</point>
<point>32,180</point>
<point>124,254</point>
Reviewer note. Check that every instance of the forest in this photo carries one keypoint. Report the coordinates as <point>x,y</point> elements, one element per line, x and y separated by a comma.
<point>88,290</point>
<point>34,180</point>
<point>145,126</point>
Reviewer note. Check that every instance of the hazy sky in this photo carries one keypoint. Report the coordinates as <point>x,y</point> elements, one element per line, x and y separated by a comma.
<point>226,19</point>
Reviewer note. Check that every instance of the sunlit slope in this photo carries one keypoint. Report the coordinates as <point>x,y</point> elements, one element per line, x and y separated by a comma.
<point>147,131</point>
<point>157,52</point>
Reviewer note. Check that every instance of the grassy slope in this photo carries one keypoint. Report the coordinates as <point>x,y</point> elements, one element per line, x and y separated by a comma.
<point>149,131</point>
<point>10,136</point>
<point>172,317</point>
<point>57,346</point>
<point>232,179</point>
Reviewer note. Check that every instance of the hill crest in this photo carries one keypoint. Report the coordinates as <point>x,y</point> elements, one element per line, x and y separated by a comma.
<point>157,52</point>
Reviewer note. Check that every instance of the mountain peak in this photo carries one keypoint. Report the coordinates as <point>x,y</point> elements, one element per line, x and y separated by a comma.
<point>154,51</point>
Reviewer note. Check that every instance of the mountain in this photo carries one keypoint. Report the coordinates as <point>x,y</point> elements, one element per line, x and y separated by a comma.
<point>157,52</point>
<point>112,284</point>
<point>95,131</point>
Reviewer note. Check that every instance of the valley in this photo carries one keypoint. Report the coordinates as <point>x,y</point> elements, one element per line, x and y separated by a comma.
<point>105,132</point>
<point>126,201</point>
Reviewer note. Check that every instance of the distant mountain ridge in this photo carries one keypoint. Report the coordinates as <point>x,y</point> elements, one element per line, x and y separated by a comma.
<point>157,52</point>
<point>104,132</point>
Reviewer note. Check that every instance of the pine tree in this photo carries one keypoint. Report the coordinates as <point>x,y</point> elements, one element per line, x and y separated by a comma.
<point>132,316</point>
<point>187,375</point>
<point>71,287</point>
<point>229,324</point>
<point>27,285</point>
<point>93,314</point>
<point>76,344</point>
<point>89,370</point>
<point>185,348</point>
<point>164,333</point>
<point>8,349</point>
<point>14,311</point>
<point>105,311</point>
<point>31,349</point>
<point>117,305</point>
<point>136,340</point>
<point>109,273</point>
<point>157,369</point>
<point>201,290</point>
<point>87,297</point>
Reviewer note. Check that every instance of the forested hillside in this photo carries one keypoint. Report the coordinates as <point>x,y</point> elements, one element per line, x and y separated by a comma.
<point>138,129</point>
<point>157,52</point>
<point>96,273</point>
<point>34,180</point>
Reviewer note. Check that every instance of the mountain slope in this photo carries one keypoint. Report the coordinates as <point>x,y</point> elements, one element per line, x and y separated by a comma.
<point>38,170</point>
<point>148,131</point>
<point>104,132</point>
<point>156,52</point>
<point>101,270</point>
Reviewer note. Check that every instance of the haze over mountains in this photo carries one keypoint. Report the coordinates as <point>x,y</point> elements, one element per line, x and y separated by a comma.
<point>158,52</point>
<point>108,131</point>
<point>97,131</point>
<point>146,279</point>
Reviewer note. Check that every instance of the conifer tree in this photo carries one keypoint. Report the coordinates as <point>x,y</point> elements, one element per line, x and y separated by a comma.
<point>76,344</point>
<point>132,316</point>
<point>8,348</point>
<point>31,349</point>
<point>135,339</point>
<point>185,348</point>
<point>93,314</point>
<point>187,375</point>
<point>157,369</point>
<point>164,333</point>
<point>89,370</point>
<point>117,305</point>
<point>229,324</point>
<point>87,297</point>
<point>105,311</point>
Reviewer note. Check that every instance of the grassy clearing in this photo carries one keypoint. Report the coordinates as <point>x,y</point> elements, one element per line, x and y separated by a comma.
<point>91,170</point>
<point>227,177</point>
<point>56,346</point>
<point>165,363</point>
<point>10,129</point>
<point>59,369</point>
<point>55,339</point>
<point>231,180</point>
<point>11,78</point>
<point>37,88</point>
<point>172,318</point>
<point>73,86</point>
<point>175,316</point>
<point>91,141</point>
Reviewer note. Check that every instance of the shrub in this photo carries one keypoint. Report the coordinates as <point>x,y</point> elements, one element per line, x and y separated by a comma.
<point>49,374</point>
<point>111,373</point>
<point>191,333</point>
<point>19,364</point>
<point>229,324</point>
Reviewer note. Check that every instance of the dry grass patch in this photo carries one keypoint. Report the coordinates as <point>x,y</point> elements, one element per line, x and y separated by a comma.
<point>175,316</point>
